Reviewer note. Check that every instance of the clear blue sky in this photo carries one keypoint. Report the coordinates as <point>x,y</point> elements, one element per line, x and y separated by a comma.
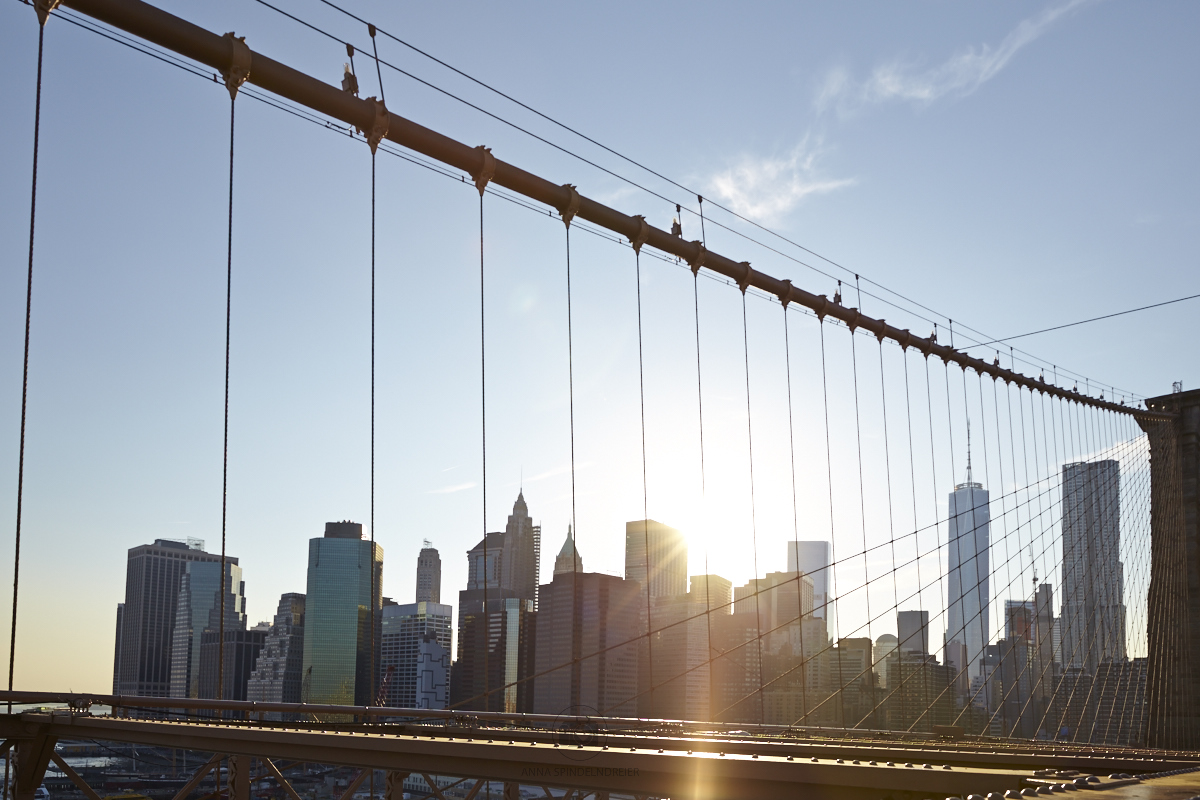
<point>1012,166</point>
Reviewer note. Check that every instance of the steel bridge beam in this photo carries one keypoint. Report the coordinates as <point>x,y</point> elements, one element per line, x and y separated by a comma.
<point>218,52</point>
<point>650,770</point>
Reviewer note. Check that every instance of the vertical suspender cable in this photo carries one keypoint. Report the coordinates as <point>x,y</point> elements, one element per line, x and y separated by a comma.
<point>371,698</point>
<point>12,640</point>
<point>787,361</point>
<point>753,518</point>
<point>831,578</point>
<point>576,608</point>
<point>487,675</point>
<point>637,255</point>
<point>225,453</point>
<point>862,506</point>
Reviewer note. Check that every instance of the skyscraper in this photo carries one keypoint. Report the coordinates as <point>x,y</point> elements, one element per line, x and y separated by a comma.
<point>495,618</point>
<point>568,559</point>
<point>199,609</point>
<point>588,625</point>
<point>813,559</point>
<point>278,671</point>
<point>522,549</point>
<point>429,575</point>
<point>406,629</point>
<point>152,579</point>
<point>912,628</point>
<point>338,616</point>
<point>668,555</point>
<point>968,575</point>
<point>1093,585</point>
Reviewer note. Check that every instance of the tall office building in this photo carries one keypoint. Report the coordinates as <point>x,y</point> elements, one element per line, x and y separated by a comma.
<point>147,617</point>
<point>522,553</point>
<point>668,554</point>
<point>968,576</point>
<point>240,651</point>
<point>279,670</point>
<point>496,615</point>
<point>429,575</point>
<point>199,609</point>
<point>588,625</point>
<point>1093,585</point>
<point>814,560</point>
<point>338,616</point>
<point>912,629</point>
<point>416,650</point>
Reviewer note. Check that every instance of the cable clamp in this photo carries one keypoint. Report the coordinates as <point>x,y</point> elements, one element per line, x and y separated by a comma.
<point>487,169</point>
<point>239,64</point>
<point>379,127</point>
<point>881,334</point>
<point>823,308</point>
<point>926,345</point>
<point>852,323</point>
<point>747,274</point>
<point>785,296</point>
<point>642,235</point>
<point>698,262</point>
<point>572,207</point>
<point>43,9</point>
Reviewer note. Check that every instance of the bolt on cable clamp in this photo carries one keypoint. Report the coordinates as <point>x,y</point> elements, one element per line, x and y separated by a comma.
<point>698,262</point>
<point>642,235</point>
<point>379,127</point>
<point>239,64</point>
<point>747,275</point>
<point>44,9</point>
<point>487,169</point>
<point>572,208</point>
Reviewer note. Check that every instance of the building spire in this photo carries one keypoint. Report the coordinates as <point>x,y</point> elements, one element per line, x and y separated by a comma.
<point>969,478</point>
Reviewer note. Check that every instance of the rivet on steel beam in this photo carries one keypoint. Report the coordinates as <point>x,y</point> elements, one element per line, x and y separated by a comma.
<point>642,235</point>
<point>572,207</point>
<point>43,9</point>
<point>487,169</point>
<point>698,261</point>
<point>239,64</point>
<point>747,274</point>
<point>379,127</point>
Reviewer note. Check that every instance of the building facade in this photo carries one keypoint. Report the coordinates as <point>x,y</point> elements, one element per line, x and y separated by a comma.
<point>341,616</point>
<point>968,575</point>
<point>415,646</point>
<point>146,620</point>
<point>813,559</point>
<point>279,670</point>
<point>429,575</point>
<point>1093,602</point>
<point>199,609</point>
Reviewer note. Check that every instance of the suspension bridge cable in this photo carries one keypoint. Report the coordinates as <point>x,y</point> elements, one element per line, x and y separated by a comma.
<point>703,491</point>
<point>37,125</point>
<point>637,256</point>
<point>486,616</point>
<point>832,576</point>
<point>225,447</point>
<point>795,567</point>
<point>611,173</point>
<point>753,513</point>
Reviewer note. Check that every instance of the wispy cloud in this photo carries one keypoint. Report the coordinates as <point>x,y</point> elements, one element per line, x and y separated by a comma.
<point>458,487</point>
<point>766,188</point>
<point>961,75</point>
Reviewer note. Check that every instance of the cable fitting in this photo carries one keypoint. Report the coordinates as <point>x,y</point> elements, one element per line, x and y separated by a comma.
<point>905,340</point>
<point>572,207</point>
<point>785,296</point>
<point>881,334</point>
<point>698,262</point>
<point>239,64</point>
<point>487,169</point>
<point>379,127</point>
<point>852,323</point>
<point>822,309</point>
<point>642,235</point>
<point>747,275</point>
<point>44,8</point>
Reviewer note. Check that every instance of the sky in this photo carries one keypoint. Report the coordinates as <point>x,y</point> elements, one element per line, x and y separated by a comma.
<point>1010,167</point>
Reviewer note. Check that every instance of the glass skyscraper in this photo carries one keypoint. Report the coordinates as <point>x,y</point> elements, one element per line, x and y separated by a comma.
<point>969,573</point>
<point>199,609</point>
<point>338,616</point>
